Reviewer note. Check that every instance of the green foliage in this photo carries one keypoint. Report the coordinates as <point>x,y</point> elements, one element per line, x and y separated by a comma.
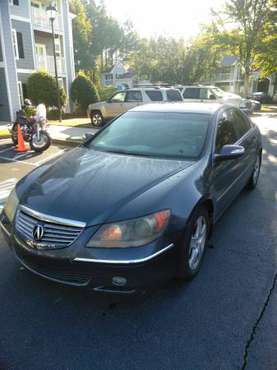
<point>243,28</point>
<point>106,92</point>
<point>249,18</point>
<point>42,88</point>
<point>83,92</point>
<point>82,36</point>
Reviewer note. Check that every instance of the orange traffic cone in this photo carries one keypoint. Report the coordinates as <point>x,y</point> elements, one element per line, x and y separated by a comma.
<point>20,141</point>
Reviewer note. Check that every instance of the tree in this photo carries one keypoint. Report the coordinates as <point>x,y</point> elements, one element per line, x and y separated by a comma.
<point>266,56</point>
<point>83,92</point>
<point>42,88</point>
<point>82,36</point>
<point>250,17</point>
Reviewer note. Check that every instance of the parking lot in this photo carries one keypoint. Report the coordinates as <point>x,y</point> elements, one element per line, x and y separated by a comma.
<point>224,319</point>
<point>16,165</point>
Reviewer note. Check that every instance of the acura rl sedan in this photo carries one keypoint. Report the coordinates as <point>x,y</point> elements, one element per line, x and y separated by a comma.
<point>135,204</point>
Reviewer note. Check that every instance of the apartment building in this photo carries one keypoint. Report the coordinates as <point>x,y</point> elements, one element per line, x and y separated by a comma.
<point>26,45</point>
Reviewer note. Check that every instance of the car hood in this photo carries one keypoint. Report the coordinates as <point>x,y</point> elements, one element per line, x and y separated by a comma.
<point>89,186</point>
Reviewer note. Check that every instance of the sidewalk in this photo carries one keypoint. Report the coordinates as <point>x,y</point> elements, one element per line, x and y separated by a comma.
<point>69,135</point>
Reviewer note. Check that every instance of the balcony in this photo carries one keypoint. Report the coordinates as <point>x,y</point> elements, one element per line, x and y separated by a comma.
<point>41,22</point>
<point>224,76</point>
<point>47,64</point>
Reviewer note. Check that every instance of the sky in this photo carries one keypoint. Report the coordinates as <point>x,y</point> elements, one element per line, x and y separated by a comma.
<point>176,18</point>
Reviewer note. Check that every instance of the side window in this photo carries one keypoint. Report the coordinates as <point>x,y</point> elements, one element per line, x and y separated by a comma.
<point>191,93</point>
<point>154,95</point>
<point>241,123</point>
<point>226,133</point>
<point>173,95</point>
<point>118,97</point>
<point>204,94</point>
<point>133,96</point>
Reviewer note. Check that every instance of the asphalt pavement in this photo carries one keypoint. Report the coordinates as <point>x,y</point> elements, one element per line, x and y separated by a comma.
<point>224,319</point>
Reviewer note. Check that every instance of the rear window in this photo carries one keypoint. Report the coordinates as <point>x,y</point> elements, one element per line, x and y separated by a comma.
<point>154,95</point>
<point>173,95</point>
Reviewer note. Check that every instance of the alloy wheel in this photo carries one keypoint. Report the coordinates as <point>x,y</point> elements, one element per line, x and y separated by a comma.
<point>256,170</point>
<point>197,242</point>
<point>96,119</point>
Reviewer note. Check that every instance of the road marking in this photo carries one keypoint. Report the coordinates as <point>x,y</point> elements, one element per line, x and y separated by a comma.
<point>14,160</point>
<point>59,153</point>
<point>5,188</point>
<point>5,150</point>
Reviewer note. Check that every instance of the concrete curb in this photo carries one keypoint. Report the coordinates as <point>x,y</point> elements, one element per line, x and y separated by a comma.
<point>69,142</point>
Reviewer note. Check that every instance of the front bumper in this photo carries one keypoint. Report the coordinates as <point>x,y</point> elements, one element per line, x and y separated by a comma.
<point>98,273</point>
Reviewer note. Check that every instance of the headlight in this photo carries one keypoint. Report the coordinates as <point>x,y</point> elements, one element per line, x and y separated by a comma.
<point>132,233</point>
<point>11,205</point>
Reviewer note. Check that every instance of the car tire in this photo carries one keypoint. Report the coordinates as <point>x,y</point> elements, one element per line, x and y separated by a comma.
<point>252,183</point>
<point>192,246</point>
<point>96,119</point>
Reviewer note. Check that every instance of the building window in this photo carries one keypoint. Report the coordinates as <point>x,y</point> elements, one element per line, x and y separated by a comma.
<point>20,45</point>
<point>58,47</point>
<point>15,45</point>
<point>20,92</point>
<point>14,2</point>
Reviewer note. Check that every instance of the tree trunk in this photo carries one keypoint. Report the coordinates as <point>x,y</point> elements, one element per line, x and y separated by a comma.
<point>246,82</point>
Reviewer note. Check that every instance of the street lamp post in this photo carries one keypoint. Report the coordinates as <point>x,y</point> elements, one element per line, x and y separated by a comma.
<point>51,13</point>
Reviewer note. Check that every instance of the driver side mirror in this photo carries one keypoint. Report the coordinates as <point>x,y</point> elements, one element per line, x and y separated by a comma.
<point>228,152</point>
<point>87,137</point>
<point>212,97</point>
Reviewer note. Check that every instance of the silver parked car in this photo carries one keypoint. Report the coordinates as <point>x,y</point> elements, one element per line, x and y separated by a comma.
<point>122,101</point>
<point>201,93</point>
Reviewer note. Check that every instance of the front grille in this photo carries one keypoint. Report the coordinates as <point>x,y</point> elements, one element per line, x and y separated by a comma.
<point>54,236</point>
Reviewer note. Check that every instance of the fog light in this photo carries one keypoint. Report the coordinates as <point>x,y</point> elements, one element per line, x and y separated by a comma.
<point>119,281</point>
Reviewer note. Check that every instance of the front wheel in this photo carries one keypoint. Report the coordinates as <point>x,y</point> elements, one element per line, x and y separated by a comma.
<point>96,119</point>
<point>252,183</point>
<point>193,244</point>
<point>14,135</point>
<point>42,143</point>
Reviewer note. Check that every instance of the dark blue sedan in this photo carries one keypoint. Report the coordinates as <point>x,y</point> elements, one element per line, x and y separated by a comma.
<point>135,204</point>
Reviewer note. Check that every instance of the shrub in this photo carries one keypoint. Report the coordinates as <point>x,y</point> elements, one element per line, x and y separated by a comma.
<point>83,92</point>
<point>42,88</point>
<point>106,92</point>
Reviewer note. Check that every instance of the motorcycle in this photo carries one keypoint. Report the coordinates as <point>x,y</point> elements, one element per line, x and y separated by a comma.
<point>34,129</point>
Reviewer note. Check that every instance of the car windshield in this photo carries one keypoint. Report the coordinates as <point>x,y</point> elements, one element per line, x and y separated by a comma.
<point>167,135</point>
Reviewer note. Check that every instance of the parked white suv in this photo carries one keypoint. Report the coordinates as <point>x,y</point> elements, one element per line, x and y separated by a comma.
<point>122,101</point>
<point>214,93</point>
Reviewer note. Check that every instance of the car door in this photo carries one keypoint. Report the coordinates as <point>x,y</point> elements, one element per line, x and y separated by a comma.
<point>132,100</point>
<point>115,105</point>
<point>248,139</point>
<point>224,173</point>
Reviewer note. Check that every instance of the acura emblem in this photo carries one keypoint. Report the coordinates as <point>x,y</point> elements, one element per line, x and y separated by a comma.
<point>38,232</point>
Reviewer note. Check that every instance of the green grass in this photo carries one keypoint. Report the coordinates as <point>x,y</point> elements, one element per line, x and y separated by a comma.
<point>73,122</point>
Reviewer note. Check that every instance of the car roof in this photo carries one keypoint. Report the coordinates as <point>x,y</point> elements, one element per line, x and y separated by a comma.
<point>184,107</point>
<point>151,88</point>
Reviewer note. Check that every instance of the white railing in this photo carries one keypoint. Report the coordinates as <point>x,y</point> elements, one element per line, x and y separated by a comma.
<point>48,64</point>
<point>41,21</point>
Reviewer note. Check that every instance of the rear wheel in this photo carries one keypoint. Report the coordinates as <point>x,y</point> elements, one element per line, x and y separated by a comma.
<point>193,244</point>
<point>96,119</point>
<point>252,183</point>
